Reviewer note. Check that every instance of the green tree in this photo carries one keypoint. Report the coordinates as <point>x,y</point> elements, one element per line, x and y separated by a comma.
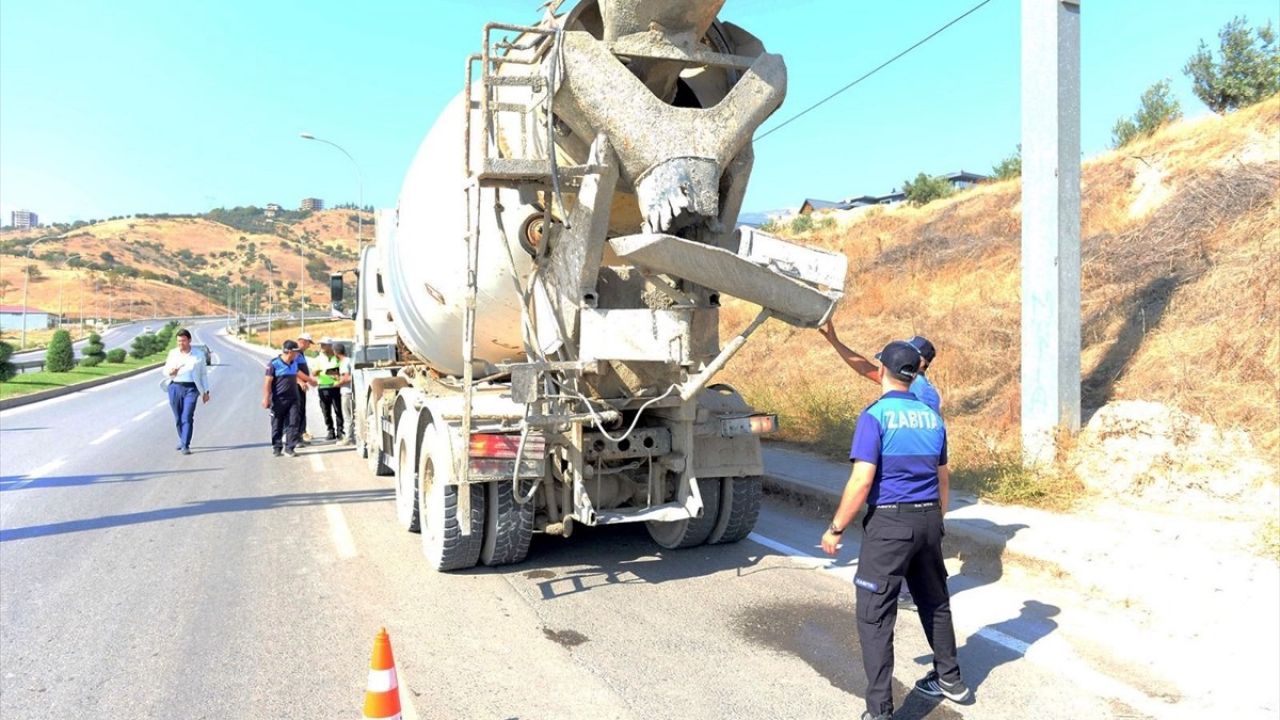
<point>1010,167</point>
<point>94,350</point>
<point>924,189</point>
<point>1156,109</point>
<point>7,370</point>
<point>802,223</point>
<point>1248,69</point>
<point>60,357</point>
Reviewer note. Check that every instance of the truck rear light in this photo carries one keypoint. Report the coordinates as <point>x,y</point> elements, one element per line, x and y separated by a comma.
<point>504,446</point>
<point>759,424</point>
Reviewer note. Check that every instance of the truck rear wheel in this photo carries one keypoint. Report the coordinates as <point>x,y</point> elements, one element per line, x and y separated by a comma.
<point>689,532</point>
<point>739,509</point>
<point>508,525</point>
<point>406,487</point>
<point>443,543</point>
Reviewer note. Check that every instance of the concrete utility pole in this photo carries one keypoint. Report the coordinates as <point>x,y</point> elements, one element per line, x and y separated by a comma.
<point>1050,224</point>
<point>302,286</point>
<point>359,181</point>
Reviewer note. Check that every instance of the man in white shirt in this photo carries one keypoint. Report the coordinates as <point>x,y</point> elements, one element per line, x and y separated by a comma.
<point>344,385</point>
<point>185,369</point>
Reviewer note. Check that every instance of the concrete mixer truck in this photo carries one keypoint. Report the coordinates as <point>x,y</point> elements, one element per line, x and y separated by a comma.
<point>538,320</point>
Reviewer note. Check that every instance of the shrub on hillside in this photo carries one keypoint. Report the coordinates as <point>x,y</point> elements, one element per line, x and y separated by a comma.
<point>116,355</point>
<point>94,350</point>
<point>1156,109</point>
<point>802,223</point>
<point>60,357</point>
<point>1010,167</point>
<point>1248,72</point>
<point>924,189</point>
<point>7,370</point>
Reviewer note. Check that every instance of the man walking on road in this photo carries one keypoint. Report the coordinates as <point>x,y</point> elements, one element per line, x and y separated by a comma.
<point>900,471</point>
<point>344,388</point>
<point>327,376</point>
<point>280,395</point>
<point>185,369</point>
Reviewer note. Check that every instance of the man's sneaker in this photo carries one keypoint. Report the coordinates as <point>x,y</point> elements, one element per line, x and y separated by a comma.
<point>186,451</point>
<point>306,437</point>
<point>866,715</point>
<point>290,453</point>
<point>277,452</point>
<point>330,436</point>
<point>935,686</point>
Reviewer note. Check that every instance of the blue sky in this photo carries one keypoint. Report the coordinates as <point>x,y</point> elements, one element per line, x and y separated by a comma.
<point>157,106</point>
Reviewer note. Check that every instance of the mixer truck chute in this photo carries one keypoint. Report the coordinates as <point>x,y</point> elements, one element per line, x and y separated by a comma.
<point>538,321</point>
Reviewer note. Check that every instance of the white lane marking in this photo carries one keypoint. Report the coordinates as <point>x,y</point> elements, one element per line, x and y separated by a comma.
<point>38,473</point>
<point>407,710</point>
<point>161,404</point>
<point>141,415</point>
<point>1051,651</point>
<point>339,532</point>
<point>317,464</point>
<point>106,436</point>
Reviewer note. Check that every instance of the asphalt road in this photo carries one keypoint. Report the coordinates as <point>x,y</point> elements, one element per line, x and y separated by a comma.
<point>138,582</point>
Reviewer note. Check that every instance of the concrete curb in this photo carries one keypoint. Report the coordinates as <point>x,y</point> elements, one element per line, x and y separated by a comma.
<point>963,535</point>
<point>36,397</point>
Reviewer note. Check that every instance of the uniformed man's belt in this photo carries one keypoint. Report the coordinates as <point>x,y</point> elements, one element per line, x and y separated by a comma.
<point>910,507</point>
<point>185,384</point>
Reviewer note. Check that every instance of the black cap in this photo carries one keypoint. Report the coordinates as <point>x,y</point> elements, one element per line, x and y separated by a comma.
<point>900,359</point>
<point>289,345</point>
<point>924,347</point>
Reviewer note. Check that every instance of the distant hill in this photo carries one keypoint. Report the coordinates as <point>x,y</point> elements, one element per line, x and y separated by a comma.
<point>180,264</point>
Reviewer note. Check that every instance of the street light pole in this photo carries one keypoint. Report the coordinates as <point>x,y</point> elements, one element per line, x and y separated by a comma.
<point>302,287</point>
<point>359,179</point>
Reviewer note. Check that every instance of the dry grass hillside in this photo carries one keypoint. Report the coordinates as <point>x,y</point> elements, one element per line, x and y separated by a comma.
<point>1181,308</point>
<point>137,266</point>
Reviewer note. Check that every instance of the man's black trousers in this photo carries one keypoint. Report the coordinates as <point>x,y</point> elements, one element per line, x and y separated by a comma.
<point>331,406</point>
<point>284,424</point>
<point>903,543</point>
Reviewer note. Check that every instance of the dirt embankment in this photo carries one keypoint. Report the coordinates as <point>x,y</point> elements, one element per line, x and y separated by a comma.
<point>1181,314</point>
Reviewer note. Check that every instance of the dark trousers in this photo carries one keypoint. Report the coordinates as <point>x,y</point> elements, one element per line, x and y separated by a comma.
<point>284,424</point>
<point>902,545</point>
<point>182,401</point>
<point>331,406</point>
<point>302,411</point>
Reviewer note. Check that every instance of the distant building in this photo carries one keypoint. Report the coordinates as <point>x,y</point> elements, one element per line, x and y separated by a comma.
<point>272,209</point>
<point>312,204</point>
<point>11,318</point>
<point>24,219</point>
<point>958,180</point>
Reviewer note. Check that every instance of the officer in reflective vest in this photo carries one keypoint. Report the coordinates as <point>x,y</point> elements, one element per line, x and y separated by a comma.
<point>900,471</point>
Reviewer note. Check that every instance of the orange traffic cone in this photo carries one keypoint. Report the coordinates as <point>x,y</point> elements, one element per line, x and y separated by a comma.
<point>382,699</point>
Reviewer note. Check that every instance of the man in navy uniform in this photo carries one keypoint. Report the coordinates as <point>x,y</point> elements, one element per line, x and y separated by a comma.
<point>280,393</point>
<point>900,471</point>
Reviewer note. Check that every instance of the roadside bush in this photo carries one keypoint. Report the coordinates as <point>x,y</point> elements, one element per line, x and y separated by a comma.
<point>60,357</point>
<point>116,356</point>
<point>94,350</point>
<point>7,370</point>
<point>145,345</point>
<point>91,360</point>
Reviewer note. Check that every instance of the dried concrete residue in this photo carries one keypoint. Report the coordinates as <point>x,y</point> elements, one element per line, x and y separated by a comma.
<point>566,638</point>
<point>1148,188</point>
<point>1151,452</point>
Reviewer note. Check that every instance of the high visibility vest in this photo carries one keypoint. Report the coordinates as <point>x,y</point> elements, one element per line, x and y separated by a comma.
<point>324,364</point>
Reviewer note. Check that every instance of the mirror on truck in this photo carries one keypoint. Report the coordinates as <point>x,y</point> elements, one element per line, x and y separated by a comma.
<point>335,288</point>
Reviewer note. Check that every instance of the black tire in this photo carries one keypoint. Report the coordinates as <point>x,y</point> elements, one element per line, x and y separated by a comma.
<point>692,531</point>
<point>508,526</point>
<point>407,510</point>
<point>443,543</point>
<point>739,508</point>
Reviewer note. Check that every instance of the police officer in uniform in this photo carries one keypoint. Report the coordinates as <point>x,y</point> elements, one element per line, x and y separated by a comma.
<point>900,471</point>
<point>280,395</point>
